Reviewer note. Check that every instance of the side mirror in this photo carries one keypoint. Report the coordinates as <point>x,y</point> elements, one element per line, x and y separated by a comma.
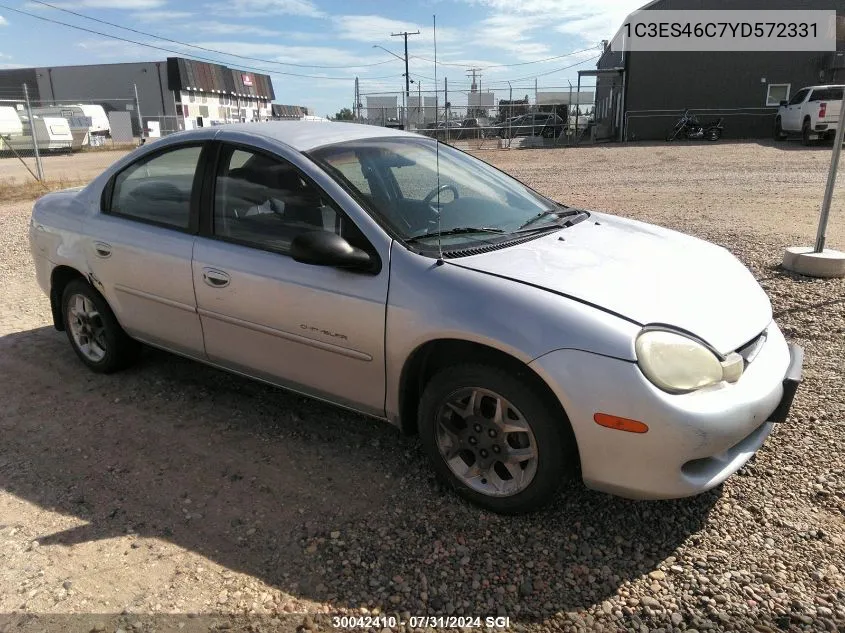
<point>324,248</point>
<point>783,103</point>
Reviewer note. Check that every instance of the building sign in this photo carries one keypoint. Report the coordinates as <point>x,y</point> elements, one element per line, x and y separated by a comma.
<point>247,80</point>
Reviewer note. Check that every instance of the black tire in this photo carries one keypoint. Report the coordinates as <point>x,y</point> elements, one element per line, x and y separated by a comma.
<point>806,140</point>
<point>120,350</point>
<point>779,135</point>
<point>555,444</point>
<point>714,134</point>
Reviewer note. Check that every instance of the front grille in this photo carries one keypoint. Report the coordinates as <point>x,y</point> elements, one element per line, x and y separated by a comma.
<point>750,350</point>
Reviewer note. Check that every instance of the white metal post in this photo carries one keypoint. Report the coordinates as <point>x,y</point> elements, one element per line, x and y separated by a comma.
<point>38,166</point>
<point>138,108</point>
<point>831,181</point>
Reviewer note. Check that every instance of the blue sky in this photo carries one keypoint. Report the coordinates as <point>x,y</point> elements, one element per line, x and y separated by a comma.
<point>298,36</point>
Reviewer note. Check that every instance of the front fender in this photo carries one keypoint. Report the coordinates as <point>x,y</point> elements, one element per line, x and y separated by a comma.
<point>428,302</point>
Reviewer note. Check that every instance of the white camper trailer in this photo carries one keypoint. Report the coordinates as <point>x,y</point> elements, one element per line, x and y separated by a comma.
<point>99,119</point>
<point>10,123</point>
<point>80,125</point>
<point>51,133</point>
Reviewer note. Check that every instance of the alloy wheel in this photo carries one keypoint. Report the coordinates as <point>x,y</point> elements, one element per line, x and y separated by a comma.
<point>87,328</point>
<point>486,442</point>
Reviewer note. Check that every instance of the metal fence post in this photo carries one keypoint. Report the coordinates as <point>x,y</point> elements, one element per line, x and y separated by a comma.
<point>38,166</point>
<point>831,181</point>
<point>138,108</point>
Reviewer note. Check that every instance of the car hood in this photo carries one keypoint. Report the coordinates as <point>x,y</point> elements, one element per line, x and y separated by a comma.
<point>641,272</point>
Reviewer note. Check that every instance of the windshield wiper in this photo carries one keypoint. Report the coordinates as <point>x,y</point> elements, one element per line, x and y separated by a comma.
<point>455,231</point>
<point>572,214</point>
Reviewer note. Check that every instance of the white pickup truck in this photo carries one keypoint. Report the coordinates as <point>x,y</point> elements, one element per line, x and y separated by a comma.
<point>812,112</point>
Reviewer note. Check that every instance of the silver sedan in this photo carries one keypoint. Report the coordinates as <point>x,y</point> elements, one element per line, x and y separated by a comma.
<point>523,339</point>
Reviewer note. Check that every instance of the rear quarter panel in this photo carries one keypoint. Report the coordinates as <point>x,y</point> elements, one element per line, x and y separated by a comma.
<point>56,233</point>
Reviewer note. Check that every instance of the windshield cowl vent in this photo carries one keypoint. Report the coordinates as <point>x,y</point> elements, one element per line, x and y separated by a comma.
<point>487,248</point>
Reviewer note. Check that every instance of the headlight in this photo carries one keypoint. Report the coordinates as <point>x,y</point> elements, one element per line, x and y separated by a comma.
<point>678,364</point>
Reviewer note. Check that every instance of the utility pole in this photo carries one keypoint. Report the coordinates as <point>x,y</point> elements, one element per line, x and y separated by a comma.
<point>476,72</point>
<point>405,34</point>
<point>355,112</point>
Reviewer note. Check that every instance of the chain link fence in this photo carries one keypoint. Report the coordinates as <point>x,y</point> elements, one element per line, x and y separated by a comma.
<point>491,119</point>
<point>61,143</point>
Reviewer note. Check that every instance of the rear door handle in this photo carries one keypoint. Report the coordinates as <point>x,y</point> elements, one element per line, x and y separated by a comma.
<point>102,249</point>
<point>215,278</point>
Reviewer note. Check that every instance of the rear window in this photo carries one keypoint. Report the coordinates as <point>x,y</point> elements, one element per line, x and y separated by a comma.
<point>827,94</point>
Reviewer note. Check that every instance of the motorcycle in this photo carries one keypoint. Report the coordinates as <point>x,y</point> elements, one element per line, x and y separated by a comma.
<point>690,128</point>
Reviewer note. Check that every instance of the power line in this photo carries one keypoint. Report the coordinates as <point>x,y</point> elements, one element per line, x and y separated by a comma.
<point>182,53</point>
<point>533,61</point>
<point>203,48</point>
<point>549,72</point>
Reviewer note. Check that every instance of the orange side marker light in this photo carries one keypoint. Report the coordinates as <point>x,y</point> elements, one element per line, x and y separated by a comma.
<point>620,424</point>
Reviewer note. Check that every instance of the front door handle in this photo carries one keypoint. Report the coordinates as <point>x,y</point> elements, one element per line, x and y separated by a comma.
<point>102,249</point>
<point>215,278</point>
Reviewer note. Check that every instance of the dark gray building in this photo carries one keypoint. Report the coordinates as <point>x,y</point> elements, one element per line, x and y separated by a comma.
<point>176,94</point>
<point>639,95</point>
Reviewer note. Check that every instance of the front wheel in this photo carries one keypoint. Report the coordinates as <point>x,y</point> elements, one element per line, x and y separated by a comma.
<point>93,330</point>
<point>779,135</point>
<point>491,435</point>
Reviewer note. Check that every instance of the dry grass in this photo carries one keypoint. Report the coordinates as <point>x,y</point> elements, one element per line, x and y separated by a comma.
<point>14,190</point>
<point>108,147</point>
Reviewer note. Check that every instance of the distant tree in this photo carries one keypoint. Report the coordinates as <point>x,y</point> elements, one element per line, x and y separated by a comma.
<point>345,114</point>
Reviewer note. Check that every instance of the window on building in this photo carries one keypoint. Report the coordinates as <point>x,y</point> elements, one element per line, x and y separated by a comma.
<point>777,93</point>
<point>191,97</point>
<point>157,189</point>
<point>204,111</point>
<point>203,98</point>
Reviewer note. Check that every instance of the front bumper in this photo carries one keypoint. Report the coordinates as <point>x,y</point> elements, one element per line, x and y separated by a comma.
<point>791,382</point>
<point>695,441</point>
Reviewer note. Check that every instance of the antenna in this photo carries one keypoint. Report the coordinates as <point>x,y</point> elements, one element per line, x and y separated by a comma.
<point>437,152</point>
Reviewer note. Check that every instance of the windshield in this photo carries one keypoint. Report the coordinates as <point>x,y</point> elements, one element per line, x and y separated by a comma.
<point>397,179</point>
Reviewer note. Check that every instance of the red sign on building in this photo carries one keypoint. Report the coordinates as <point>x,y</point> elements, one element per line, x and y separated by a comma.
<point>247,80</point>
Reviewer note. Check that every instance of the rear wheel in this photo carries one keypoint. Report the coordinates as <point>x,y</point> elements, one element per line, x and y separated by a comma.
<point>714,134</point>
<point>93,330</point>
<point>806,134</point>
<point>491,435</point>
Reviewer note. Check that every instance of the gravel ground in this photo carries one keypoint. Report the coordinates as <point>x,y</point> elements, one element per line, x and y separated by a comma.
<point>173,488</point>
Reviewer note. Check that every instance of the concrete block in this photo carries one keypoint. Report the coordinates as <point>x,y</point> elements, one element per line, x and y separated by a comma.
<point>827,264</point>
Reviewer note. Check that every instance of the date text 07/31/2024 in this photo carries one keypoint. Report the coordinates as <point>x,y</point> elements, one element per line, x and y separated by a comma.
<point>421,622</point>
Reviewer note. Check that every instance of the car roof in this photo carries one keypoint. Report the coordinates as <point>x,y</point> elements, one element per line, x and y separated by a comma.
<point>307,135</point>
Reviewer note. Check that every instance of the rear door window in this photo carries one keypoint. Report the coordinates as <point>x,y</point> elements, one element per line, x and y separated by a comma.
<point>827,94</point>
<point>158,188</point>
